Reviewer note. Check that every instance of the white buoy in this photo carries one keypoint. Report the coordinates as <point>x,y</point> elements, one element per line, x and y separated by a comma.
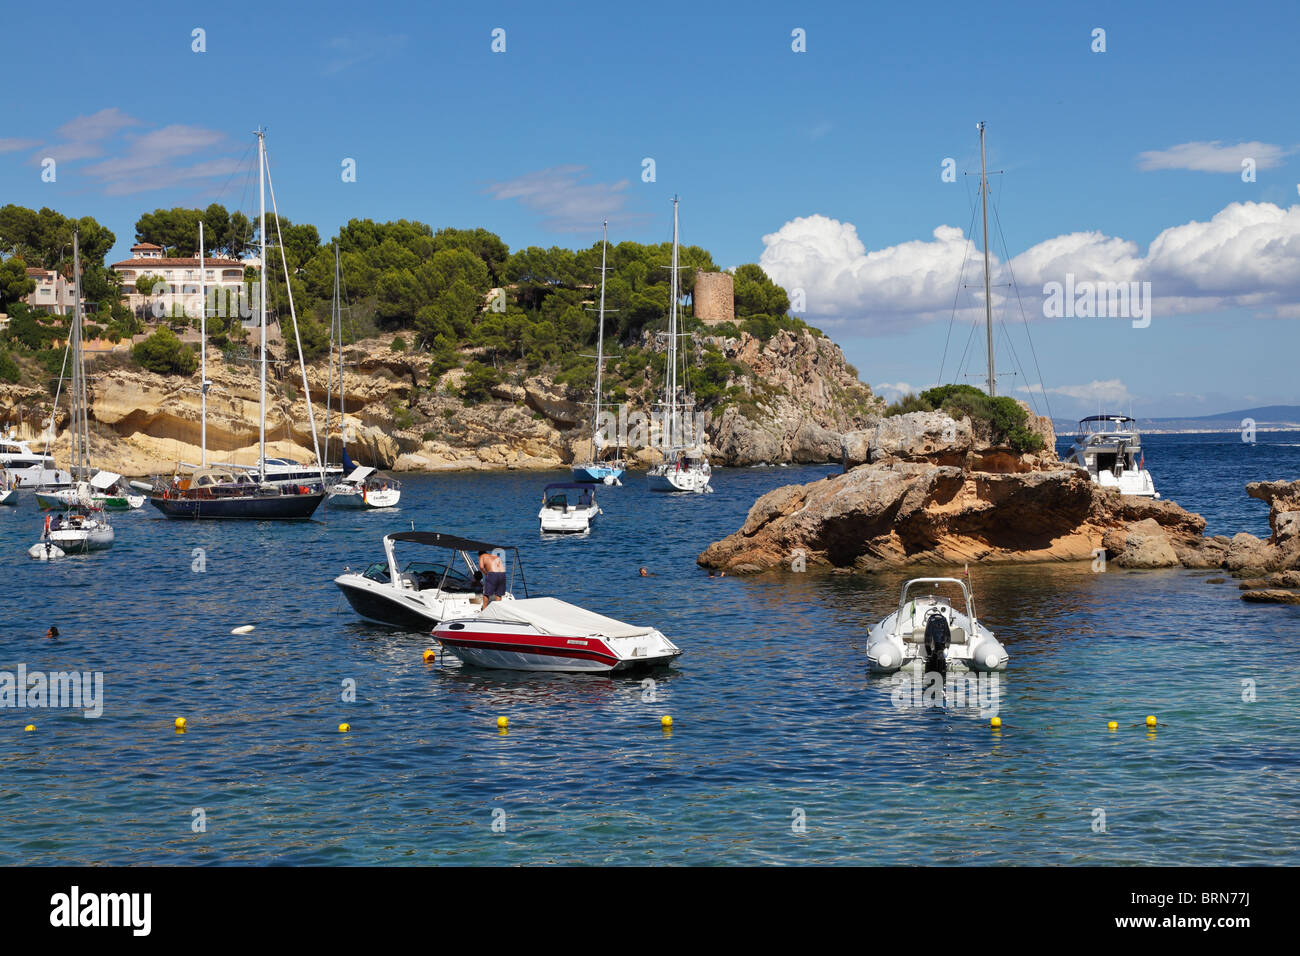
<point>242,629</point>
<point>45,551</point>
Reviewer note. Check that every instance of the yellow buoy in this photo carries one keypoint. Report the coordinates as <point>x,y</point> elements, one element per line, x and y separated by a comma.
<point>665,721</point>
<point>180,723</point>
<point>1113,725</point>
<point>503,722</point>
<point>430,655</point>
<point>1151,720</point>
<point>29,727</point>
<point>995,722</point>
<point>344,728</point>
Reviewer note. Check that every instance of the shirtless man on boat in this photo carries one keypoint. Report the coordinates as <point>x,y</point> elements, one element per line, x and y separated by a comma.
<point>494,577</point>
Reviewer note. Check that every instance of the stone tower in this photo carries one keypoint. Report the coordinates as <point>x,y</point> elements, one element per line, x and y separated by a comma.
<point>715,296</point>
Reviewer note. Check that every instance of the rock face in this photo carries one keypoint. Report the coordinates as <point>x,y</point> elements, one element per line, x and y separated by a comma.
<point>897,512</point>
<point>1283,500</point>
<point>802,398</point>
<point>797,396</point>
<point>939,439</point>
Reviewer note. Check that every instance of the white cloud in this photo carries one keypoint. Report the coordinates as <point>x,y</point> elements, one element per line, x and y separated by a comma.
<point>565,199</point>
<point>1112,392</point>
<point>1247,256</point>
<point>1212,157</point>
<point>13,145</point>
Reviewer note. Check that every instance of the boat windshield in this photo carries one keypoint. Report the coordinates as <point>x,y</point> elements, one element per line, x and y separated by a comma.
<point>1106,425</point>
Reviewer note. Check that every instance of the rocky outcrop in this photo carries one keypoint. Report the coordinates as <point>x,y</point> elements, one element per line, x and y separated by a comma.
<point>899,511</point>
<point>935,437</point>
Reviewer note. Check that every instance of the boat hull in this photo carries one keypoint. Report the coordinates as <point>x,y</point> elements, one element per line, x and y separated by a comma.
<point>679,481</point>
<point>373,605</point>
<point>596,474</point>
<point>243,508</point>
<point>353,501</point>
<point>502,645</point>
<point>79,541</point>
<point>572,521</point>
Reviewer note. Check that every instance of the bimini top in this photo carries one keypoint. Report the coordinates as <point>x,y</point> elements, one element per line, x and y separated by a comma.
<point>1107,418</point>
<point>576,486</point>
<point>436,539</point>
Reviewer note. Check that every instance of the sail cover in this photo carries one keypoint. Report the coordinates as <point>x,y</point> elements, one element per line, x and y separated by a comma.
<point>559,618</point>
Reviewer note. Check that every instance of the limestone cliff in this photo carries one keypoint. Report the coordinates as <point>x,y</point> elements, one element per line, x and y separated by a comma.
<point>798,397</point>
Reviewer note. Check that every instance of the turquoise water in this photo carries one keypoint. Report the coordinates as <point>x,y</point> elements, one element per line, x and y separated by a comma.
<point>776,721</point>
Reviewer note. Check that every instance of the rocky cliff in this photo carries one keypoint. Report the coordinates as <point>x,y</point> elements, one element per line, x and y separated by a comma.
<point>798,397</point>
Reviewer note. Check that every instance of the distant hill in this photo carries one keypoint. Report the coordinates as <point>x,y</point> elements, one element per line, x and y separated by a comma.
<point>1266,417</point>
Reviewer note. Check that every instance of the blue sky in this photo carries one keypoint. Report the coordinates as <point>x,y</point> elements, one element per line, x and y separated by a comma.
<point>834,154</point>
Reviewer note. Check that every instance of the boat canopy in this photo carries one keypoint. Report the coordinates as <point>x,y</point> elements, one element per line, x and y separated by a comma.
<point>360,473</point>
<point>1107,418</point>
<point>104,480</point>
<point>576,486</point>
<point>559,618</point>
<point>437,539</point>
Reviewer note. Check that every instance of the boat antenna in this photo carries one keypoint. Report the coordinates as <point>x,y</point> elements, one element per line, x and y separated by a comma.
<point>988,298</point>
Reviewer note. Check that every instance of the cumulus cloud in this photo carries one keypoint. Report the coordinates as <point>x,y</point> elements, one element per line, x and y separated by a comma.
<point>1246,256</point>
<point>1212,157</point>
<point>1111,392</point>
<point>564,197</point>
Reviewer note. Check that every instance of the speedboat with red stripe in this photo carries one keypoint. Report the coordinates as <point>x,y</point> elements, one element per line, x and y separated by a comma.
<point>547,634</point>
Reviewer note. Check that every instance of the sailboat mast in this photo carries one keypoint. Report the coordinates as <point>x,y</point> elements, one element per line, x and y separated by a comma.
<point>988,298</point>
<point>261,289</point>
<point>670,398</point>
<point>600,340</point>
<point>203,350</point>
<point>338,312</point>
<point>80,436</point>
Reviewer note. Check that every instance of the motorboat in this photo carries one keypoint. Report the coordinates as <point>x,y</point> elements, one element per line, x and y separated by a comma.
<point>568,508</point>
<point>106,489</point>
<point>1109,447</point>
<point>217,492</point>
<point>28,468</point>
<point>364,488</point>
<point>78,531</point>
<point>419,594</point>
<point>547,634</point>
<point>928,631</point>
<point>8,489</point>
<point>688,470</point>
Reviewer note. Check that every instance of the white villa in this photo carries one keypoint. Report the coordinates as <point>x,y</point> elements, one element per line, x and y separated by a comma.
<point>181,276</point>
<point>53,293</point>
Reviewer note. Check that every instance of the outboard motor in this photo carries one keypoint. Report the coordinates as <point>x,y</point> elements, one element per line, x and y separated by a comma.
<point>937,638</point>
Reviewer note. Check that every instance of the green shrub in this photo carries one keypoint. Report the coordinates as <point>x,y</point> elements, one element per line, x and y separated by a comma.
<point>399,344</point>
<point>9,370</point>
<point>478,382</point>
<point>1004,417</point>
<point>165,354</point>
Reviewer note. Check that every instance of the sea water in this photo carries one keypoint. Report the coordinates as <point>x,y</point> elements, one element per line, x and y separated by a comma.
<point>782,748</point>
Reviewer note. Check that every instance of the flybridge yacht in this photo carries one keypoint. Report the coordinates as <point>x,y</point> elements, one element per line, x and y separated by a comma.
<point>31,469</point>
<point>1110,449</point>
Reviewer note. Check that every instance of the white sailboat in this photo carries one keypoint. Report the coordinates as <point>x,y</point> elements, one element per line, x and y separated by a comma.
<point>85,526</point>
<point>610,469</point>
<point>685,466</point>
<point>363,488</point>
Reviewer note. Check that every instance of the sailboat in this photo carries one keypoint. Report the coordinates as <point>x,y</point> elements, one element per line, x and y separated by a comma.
<point>685,466</point>
<point>610,470</point>
<point>84,527</point>
<point>233,491</point>
<point>362,488</point>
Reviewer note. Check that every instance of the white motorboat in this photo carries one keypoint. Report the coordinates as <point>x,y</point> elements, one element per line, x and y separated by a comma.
<point>546,634</point>
<point>927,631</point>
<point>1109,447</point>
<point>689,470</point>
<point>568,508</point>
<point>77,531</point>
<point>363,488</point>
<point>29,469</point>
<point>420,594</point>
